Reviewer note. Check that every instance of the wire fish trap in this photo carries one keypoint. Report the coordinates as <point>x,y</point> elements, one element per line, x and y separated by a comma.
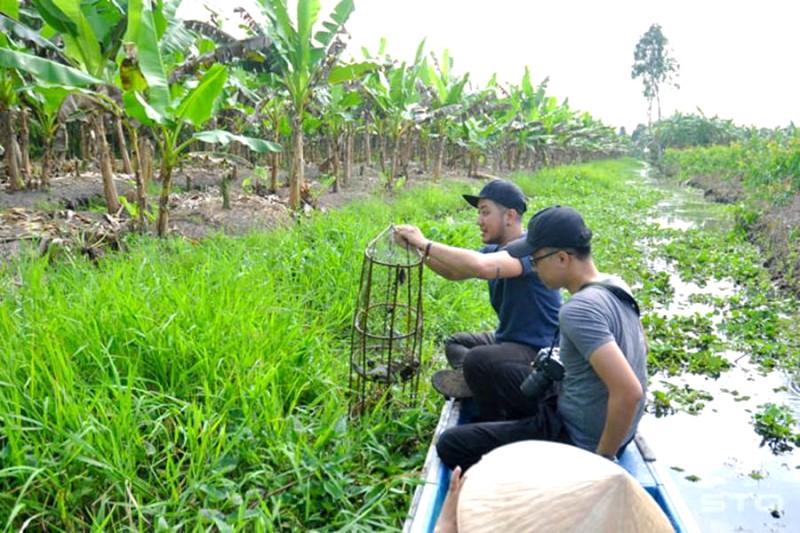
<point>386,347</point>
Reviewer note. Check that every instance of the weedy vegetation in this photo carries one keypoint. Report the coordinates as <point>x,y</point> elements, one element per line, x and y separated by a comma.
<point>182,385</point>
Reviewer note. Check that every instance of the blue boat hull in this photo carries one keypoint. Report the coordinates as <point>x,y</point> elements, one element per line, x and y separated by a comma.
<point>638,460</point>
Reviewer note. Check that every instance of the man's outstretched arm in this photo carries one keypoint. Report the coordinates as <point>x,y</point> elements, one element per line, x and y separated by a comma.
<point>458,263</point>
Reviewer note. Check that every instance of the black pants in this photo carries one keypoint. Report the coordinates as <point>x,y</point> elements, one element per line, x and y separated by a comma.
<point>494,372</point>
<point>465,445</point>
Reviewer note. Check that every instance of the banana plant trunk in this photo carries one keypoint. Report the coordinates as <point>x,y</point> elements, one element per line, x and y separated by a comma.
<point>143,184</point>
<point>86,144</point>
<point>298,165</point>
<point>336,141</point>
<point>47,158</point>
<point>273,172</point>
<point>347,171</point>
<point>9,142</point>
<point>123,147</point>
<point>25,146</point>
<point>163,200</point>
<point>142,170</point>
<point>109,188</point>
<point>437,169</point>
<point>382,153</point>
<point>473,165</point>
<point>396,160</point>
<point>367,144</point>
<point>406,153</point>
<point>426,154</point>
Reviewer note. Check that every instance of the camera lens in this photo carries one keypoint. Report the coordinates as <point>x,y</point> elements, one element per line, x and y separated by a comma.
<point>535,385</point>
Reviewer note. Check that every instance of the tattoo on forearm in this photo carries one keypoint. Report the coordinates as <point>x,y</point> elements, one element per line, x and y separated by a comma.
<point>497,273</point>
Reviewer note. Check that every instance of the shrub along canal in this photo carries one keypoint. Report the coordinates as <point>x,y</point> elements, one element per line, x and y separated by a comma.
<point>723,420</point>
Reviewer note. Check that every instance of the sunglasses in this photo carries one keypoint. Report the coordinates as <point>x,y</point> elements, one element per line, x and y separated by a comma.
<point>536,260</point>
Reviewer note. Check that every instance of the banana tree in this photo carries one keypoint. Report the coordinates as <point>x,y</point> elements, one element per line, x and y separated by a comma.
<point>398,104</point>
<point>476,138</point>
<point>91,35</point>
<point>49,76</point>
<point>337,105</point>
<point>149,99</point>
<point>9,83</point>
<point>447,101</point>
<point>13,35</point>
<point>46,103</point>
<point>276,121</point>
<point>529,109</point>
<point>307,59</point>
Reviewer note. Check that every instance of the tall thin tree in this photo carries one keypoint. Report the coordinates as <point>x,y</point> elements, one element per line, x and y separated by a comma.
<point>654,64</point>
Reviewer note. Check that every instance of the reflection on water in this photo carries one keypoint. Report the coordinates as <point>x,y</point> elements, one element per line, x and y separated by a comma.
<point>740,485</point>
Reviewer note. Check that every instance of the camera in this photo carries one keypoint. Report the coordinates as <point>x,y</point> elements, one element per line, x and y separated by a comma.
<point>547,369</point>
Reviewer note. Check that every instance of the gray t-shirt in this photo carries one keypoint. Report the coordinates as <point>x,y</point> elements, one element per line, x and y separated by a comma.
<point>589,319</point>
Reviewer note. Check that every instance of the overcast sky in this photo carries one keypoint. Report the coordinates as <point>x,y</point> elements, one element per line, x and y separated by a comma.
<point>738,60</point>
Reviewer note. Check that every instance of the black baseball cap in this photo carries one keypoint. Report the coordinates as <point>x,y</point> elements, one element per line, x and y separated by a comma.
<point>552,227</point>
<point>502,192</point>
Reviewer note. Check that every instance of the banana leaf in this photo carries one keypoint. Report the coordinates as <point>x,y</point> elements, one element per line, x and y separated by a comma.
<point>340,14</point>
<point>142,31</point>
<point>80,42</point>
<point>55,17</point>
<point>351,72</point>
<point>224,138</point>
<point>307,13</point>
<point>22,32</point>
<point>198,104</point>
<point>137,108</point>
<point>44,70</point>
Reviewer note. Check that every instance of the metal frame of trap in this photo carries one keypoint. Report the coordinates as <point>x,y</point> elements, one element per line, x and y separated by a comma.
<point>386,344</point>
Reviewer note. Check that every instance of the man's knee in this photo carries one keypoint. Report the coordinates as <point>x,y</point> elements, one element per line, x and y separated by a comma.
<point>453,451</point>
<point>455,352</point>
<point>477,360</point>
<point>445,450</point>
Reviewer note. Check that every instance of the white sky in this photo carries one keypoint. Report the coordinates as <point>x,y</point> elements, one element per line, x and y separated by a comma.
<point>738,60</point>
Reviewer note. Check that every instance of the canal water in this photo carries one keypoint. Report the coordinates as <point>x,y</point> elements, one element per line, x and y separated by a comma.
<point>728,480</point>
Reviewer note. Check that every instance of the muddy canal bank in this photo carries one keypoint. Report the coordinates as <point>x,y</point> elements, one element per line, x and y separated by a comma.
<point>774,229</point>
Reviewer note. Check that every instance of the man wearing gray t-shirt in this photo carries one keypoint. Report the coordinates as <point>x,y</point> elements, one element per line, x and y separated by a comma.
<point>603,351</point>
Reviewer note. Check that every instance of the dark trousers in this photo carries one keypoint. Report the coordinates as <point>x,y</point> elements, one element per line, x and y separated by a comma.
<point>494,372</point>
<point>465,445</point>
<point>458,345</point>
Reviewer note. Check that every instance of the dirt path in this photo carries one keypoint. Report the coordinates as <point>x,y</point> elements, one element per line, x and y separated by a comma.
<point>73,208</point>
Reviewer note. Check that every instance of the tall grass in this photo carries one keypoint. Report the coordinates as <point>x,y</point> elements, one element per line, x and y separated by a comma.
<point>185,386</point>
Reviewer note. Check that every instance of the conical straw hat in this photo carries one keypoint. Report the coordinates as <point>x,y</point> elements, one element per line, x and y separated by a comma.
<point>546,486</point>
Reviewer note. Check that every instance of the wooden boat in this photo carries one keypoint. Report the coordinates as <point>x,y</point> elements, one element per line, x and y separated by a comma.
<point>637,459</point>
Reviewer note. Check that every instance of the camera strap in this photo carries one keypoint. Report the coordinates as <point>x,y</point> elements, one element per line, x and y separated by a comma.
<point>617,291</point>
<point>621,294</point>
<point>555,342</point>
<point>626,298</point>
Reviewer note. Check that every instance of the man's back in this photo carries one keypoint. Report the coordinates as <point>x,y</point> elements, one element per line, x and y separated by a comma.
<point>589,319</point>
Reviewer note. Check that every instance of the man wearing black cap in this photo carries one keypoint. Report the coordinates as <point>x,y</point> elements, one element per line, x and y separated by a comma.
<point>603,351</point>
<point>527,311</point>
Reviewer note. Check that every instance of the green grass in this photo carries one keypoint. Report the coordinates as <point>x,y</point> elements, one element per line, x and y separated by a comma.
<point>181,386</point>
<point>198,386</point>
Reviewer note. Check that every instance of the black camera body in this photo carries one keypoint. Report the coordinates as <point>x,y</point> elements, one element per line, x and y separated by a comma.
<point>547,369</point>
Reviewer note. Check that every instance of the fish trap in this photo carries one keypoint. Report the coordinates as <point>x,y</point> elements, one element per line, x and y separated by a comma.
<point>386,347</point>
